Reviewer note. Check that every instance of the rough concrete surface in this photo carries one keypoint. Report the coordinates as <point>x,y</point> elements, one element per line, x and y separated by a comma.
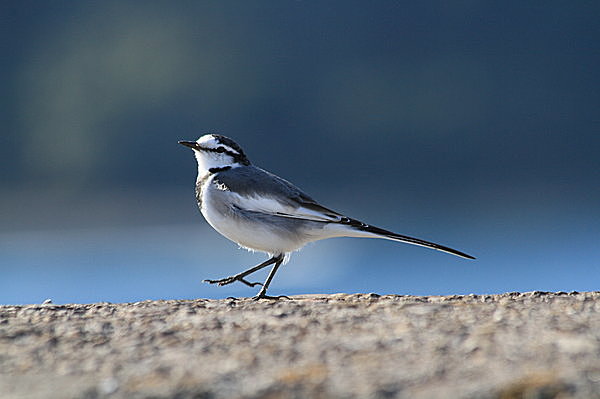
<point>531,345</point>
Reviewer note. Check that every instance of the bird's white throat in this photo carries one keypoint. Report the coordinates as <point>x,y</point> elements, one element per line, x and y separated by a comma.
<point>211,160</point>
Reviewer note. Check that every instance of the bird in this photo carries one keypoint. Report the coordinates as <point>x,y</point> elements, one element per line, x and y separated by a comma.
<point>262,212</point>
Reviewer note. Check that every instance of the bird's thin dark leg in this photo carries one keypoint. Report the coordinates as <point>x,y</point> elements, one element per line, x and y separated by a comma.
<point>240,276</point>
<point>263,291</point>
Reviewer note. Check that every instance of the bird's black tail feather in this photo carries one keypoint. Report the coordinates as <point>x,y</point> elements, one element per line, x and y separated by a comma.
<point>402,238</point>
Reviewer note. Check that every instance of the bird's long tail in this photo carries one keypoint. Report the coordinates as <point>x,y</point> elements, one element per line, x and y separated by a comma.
<point>355,228</point>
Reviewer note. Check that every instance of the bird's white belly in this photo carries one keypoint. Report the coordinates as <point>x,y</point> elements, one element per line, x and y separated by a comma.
<point>249,234</point>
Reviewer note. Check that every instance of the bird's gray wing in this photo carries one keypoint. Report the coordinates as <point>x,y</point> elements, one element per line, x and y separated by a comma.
<point>252,188</point>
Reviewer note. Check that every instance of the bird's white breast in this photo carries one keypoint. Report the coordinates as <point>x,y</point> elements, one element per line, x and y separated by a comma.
<point>218,208</point>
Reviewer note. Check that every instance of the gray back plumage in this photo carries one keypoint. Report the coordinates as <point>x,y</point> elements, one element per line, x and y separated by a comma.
<point>252,181</point>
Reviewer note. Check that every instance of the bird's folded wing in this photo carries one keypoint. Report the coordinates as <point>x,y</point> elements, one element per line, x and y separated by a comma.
<point>297,209</point>
<point>254,189</point>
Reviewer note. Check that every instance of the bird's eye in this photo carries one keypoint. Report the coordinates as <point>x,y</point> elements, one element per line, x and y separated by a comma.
<point>220,149</point>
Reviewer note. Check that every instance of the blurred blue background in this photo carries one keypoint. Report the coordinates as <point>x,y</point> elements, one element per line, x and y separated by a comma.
<point>471,124</point>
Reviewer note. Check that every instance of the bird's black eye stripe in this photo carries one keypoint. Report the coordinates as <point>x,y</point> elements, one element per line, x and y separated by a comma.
<point>238,157</point>
<point>222,150</point>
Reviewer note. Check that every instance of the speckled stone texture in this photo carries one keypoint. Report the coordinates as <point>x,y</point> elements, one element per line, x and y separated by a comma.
<point>531,345</point>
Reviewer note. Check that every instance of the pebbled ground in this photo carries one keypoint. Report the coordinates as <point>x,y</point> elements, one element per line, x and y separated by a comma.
<point>531,345</point>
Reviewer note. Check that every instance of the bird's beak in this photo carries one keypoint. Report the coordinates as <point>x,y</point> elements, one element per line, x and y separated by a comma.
<point>192,144</point>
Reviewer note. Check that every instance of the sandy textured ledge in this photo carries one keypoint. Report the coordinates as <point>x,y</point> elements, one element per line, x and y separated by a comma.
<point>544,345</point>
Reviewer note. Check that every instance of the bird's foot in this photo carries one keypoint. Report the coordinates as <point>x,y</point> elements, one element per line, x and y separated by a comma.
<point>265,296</point>
<point>232,279</point>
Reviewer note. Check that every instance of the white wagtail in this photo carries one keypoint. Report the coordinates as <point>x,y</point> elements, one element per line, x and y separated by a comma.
<point>263,212</point>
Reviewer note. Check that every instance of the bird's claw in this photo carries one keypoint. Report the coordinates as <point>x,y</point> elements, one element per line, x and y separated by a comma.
<point>223,281</point>
<point>232,279</point>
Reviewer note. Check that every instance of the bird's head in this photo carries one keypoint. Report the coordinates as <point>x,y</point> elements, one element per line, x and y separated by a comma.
<point>215,152</point>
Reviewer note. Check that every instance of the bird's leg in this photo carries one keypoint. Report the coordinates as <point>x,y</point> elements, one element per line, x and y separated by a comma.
<point>263,291</point>
<point>240,276</point>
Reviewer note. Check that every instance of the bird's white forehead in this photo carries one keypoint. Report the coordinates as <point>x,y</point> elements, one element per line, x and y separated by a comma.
<point>210,141</point>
